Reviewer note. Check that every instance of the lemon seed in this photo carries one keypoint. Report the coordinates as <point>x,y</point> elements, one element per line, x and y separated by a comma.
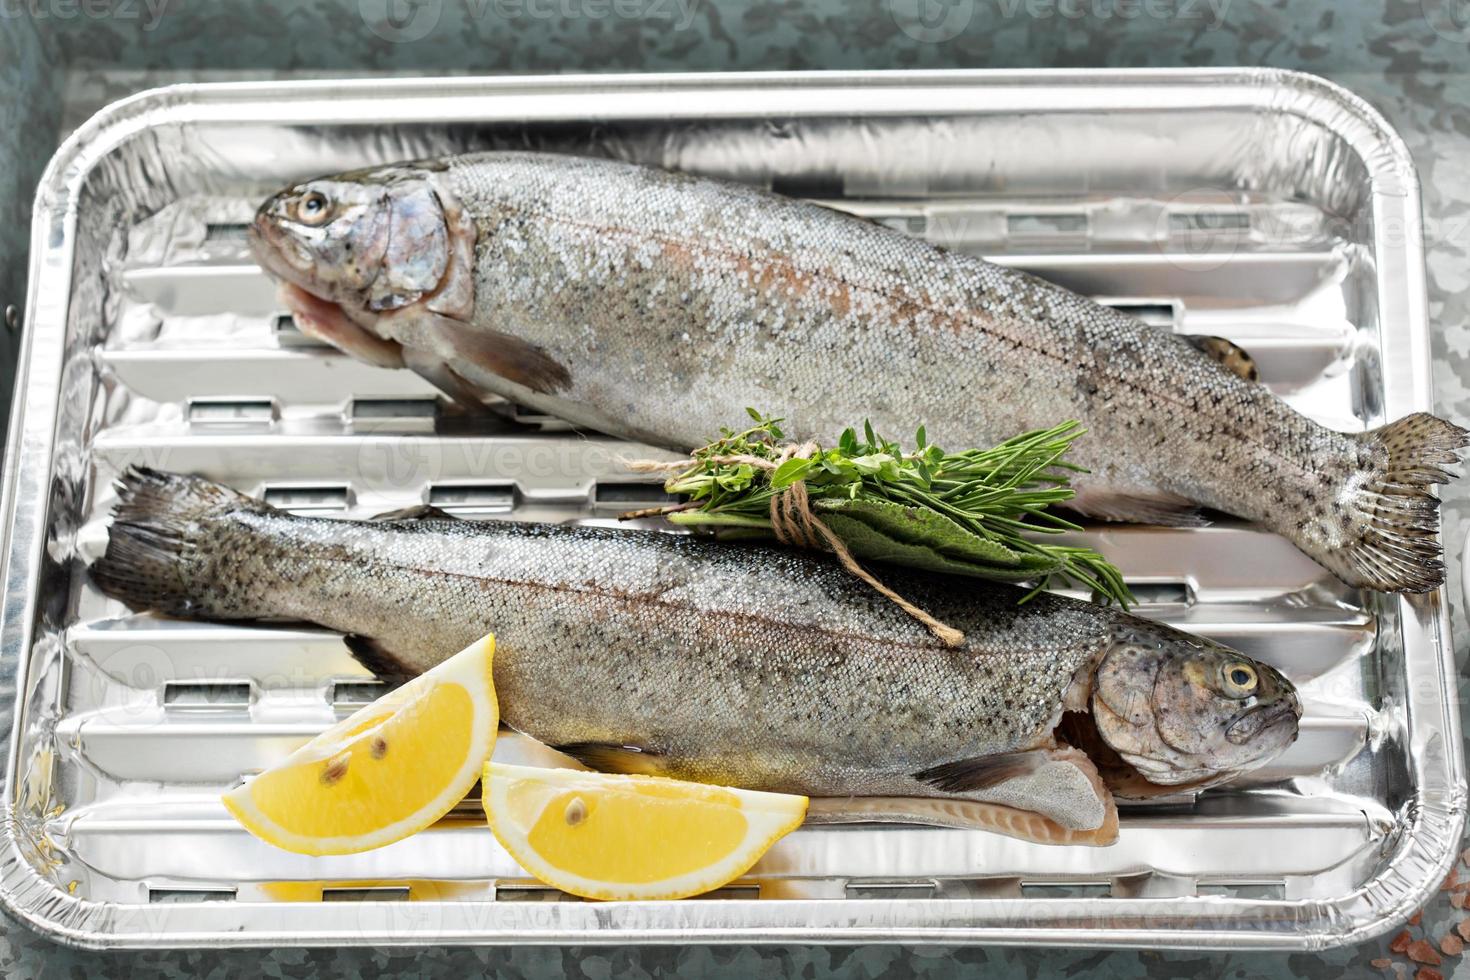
<point>379,747</point>
<point>335,770</point>
<point>576,811</point>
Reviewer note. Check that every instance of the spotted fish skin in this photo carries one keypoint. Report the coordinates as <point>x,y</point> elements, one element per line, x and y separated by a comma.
<point>652,305</point>
<point>751,666</point>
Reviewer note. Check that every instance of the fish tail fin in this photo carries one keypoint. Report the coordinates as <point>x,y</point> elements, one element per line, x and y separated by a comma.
<point>160,523</point>
<point>1387,514</point>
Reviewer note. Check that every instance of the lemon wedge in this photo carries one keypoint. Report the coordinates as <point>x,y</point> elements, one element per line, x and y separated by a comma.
<point>388,770</point>
<point>618,838</point>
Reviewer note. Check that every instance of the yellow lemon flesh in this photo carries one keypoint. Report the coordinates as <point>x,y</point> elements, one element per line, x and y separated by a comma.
<point>631,837</point>
<point>388,770</point>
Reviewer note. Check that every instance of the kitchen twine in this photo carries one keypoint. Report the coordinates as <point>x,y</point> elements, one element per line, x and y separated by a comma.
<point>795,524</point>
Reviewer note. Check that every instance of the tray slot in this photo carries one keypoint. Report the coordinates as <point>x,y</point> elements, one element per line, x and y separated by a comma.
<point>1066,889</point>
<point>304,498</point>
<point>287,334</point>
<point>1265,889</point>
<point>474,498</point>
<point>189,896</point>
<point>1152,885</point>
<point>1061,226</point>
<point>376,893</point>
<point>378,409</point>
<point>826,186</point>
<point>207,695</point>
<point>891,890</point>
<point>531,892</point>
<point>231,411</point>
<point>1162,593</point>
<point>738,892</point>
<point>1156,313</point>
<point>1209,221</point>
<point>630,495</point>
<point>918,225</point>
<point>530,417</point>
<point>220,233</point>
<point>353,694</point>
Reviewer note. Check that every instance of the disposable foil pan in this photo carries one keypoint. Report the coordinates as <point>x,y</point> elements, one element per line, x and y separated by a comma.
<point>1270,208</point>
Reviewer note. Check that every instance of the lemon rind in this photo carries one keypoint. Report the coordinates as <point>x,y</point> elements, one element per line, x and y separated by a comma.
<point>480,686</point>
<point>769,816</point>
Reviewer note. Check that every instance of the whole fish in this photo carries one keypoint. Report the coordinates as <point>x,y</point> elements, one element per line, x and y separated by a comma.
<point>748,666</point>
<point>650,305</point>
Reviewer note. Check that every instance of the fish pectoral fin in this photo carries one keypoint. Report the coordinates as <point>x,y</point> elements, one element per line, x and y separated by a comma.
<point>416,512</point>
<point>437,372</point>
<point>628,760</point>
<point>971,775</point>
<point>961,814</point>
<point>1156,507</point>
<point>1227,354</point>
<point>385,665</point>
<point>499,353</point>
<point>1060,785</point>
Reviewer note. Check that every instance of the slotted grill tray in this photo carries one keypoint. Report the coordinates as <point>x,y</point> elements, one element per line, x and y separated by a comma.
<point>1269,208</point>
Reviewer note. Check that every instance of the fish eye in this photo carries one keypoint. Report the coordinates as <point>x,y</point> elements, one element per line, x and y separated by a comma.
<point>313,208</point>
<point>1241,678</point>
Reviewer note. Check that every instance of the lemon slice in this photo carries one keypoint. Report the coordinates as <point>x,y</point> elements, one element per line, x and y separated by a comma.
<point>631,837</point>
<point>388,770</point>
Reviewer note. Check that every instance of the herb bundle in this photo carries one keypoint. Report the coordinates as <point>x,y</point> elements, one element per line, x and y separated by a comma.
<point>982,512</point>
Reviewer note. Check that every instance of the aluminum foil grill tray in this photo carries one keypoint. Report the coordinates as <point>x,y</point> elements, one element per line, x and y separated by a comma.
<point>1269,208</point>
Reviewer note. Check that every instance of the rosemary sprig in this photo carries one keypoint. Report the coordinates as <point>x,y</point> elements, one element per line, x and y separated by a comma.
<point>1001,496</point>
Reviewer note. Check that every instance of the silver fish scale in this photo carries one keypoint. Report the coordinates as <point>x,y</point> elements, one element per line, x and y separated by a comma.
<point>733,657</point>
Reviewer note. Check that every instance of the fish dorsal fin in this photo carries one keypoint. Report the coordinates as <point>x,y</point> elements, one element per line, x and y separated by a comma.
<point>1227,354</point>
<point>630,760</point>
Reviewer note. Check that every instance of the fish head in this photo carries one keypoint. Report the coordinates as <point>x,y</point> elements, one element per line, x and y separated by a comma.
<point>369,243</point>
<point>1182,710</point>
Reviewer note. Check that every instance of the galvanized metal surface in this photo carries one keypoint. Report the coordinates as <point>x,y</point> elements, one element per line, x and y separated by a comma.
<point>1298,266</point>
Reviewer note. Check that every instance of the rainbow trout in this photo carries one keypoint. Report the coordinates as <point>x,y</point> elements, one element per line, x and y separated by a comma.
<point>650,305</point>
<point>639,651</point>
